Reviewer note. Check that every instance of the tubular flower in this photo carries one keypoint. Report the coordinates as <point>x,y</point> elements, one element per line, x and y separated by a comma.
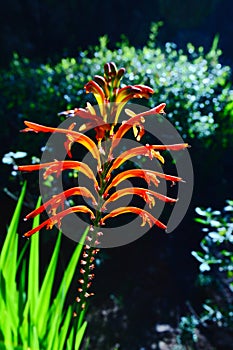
<point>147,150</point>
<point>58,166</point>
<point>146,194</point>
<point>59,199</point>
<point>148,175</point>
<point>136,121</point>
<point>72,136</point>
<point>145,215</point>
<point>111,99</point>
<point>56,219</point>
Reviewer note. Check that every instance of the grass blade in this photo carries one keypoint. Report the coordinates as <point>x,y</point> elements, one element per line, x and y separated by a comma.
<point>65,328</point>
<point>43,302</point>
<point>9,250</point>
<point>70,270</point>
<point>33,269</point>
<point>79,336</point>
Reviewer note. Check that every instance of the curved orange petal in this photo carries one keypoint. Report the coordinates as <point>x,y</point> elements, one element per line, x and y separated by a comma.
<point>58,166</point>
<point>104,85</point>
<point>72,136</point>
<point>98,92</point>
<point>127,92</point>
<point>141,150</point>
<point>59,199</point>
<point>155,110</point>
<point>147,150</point>
<point>145,193</point>
<point>125,126</point>
<point>119,76</point>
<point>133,91</point>
<point>146,216</point>
<point>145,90</point>
<point>136,119</point>
<point>85,114</point>
<point>147,175</point>
<point>56,219</point>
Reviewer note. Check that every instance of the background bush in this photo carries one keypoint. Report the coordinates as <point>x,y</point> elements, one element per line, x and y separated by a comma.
<point>194,84</point>
<point>215,280</point>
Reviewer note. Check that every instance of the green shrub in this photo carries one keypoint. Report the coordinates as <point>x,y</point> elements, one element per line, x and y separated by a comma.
<point>194,84</point>
<point>215,277</point>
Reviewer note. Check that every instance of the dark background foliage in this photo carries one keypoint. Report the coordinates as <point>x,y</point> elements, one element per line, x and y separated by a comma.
<point>151,280</point>
<point>51,28</point>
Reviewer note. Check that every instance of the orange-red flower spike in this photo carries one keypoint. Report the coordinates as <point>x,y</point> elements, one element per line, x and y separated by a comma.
<point>146,216</point>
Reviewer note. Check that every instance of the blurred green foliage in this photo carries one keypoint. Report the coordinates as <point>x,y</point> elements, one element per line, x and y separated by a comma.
<point>215,277</point>
<point>194,84</point>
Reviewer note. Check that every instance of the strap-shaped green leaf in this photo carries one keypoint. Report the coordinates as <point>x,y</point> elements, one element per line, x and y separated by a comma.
<point>43,303</point>
<point>79,336</point>
<point>33,269</point>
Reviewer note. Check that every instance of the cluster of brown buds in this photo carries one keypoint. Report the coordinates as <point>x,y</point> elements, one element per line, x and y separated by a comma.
<point>87,266</point>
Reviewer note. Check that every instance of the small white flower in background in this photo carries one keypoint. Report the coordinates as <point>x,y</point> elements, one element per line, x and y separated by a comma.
<point>8,158</point>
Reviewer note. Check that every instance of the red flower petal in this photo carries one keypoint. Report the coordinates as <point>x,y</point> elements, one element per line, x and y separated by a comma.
<point>147,151</point>
<point>56,219</point>
<point>146,216</point>
<point>98,92</point>
<point>58,166</point>
<point>145,193</point>
<point>148,175</point>
<point>59,199</point>
<point>135,120</point>
<point>72,136</point>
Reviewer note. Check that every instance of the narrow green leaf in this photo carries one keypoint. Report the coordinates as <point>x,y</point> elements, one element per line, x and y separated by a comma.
<point>6,327</point>
<point>70,340</point>
<point>64,328</point>
<point>33,268</point>
<point>201,221</point>
<point>22,252</point>
<point>80,335</point>
<point>52,335</point>
<point>24,327</point>
<point>81,317</point>
<point>9,250</point>
<point>8,268</point>
<point>69,272</point>
<point>43,302</point>
<point>34,341</point>
<point>22,292</point>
